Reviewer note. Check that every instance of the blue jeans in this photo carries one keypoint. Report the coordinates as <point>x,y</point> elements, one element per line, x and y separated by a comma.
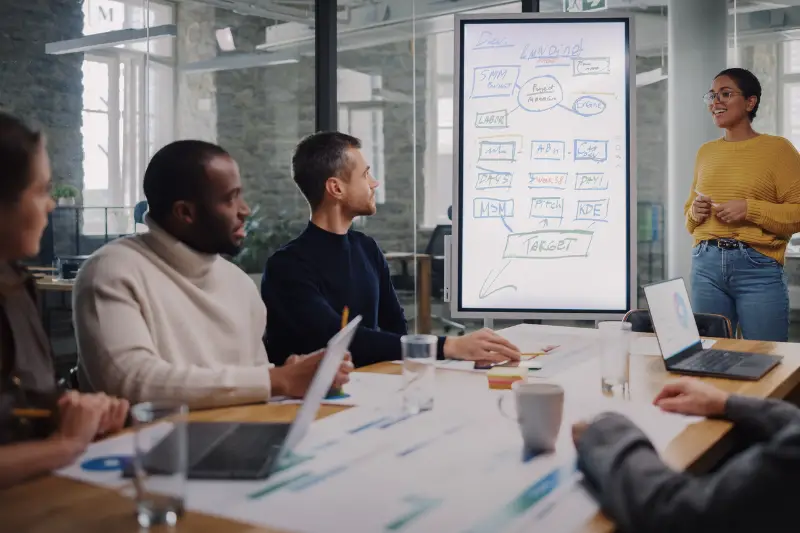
<point>744,285</point>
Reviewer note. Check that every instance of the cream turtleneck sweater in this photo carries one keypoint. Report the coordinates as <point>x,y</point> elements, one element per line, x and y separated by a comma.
<point>156,320</point>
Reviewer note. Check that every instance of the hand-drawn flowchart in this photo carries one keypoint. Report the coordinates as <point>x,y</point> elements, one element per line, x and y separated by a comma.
<point>544,146</point>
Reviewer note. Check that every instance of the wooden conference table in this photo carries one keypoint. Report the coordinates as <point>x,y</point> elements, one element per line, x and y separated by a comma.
<point>54,504</point>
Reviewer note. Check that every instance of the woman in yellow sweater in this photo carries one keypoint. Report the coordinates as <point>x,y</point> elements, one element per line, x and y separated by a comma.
<point>743,208</point>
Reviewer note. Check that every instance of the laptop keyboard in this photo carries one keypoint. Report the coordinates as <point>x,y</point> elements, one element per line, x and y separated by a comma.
<point>713,361</point>
<point>248,448</point>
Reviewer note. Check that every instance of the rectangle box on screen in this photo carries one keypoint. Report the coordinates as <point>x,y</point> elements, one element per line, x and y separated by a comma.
<point>548,244</point>
<point>591,181</point>
<point>547,180</point>
<point>492,208</point>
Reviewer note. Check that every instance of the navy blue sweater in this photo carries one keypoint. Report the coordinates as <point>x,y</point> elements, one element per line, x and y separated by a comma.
<point>307,284</point>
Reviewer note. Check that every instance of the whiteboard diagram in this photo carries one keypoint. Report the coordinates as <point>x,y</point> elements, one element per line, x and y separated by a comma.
<point>545,195</point>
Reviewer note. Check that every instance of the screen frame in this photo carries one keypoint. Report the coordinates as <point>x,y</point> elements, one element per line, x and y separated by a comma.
<point>456,300</point>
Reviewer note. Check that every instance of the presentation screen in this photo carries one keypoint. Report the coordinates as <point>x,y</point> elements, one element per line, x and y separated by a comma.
<point>544,192</point>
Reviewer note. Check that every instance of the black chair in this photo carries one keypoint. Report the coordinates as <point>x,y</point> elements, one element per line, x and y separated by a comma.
<point>708,325</point>
<point>435,249</point>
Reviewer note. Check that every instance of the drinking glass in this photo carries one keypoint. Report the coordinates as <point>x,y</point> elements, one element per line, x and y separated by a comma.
<point>159,478</point>
<point>419,372</point>
<point>615,343</point>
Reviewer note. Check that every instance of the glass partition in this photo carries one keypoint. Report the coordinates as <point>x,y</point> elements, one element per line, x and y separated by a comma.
<point>246,81</point>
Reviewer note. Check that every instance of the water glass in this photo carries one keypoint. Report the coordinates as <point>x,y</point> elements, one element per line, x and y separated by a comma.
<point>615,344</point>
<point>160,478</point>
<point>419,372</point>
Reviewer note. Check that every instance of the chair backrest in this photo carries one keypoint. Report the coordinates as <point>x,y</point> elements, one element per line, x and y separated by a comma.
<point>708,325</point>
<point>436,243</point>
<point>138,212</point>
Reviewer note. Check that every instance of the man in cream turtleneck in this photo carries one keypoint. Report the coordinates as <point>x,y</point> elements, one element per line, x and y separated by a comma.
<point>161,316</point>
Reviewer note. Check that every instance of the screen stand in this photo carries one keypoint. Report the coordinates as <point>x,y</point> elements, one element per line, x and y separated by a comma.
<point>488,323</point>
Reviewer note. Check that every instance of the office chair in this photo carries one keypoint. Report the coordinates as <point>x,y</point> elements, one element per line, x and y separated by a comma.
<point>708,325</point>
<point>139,211</point>
<point>435,249</point>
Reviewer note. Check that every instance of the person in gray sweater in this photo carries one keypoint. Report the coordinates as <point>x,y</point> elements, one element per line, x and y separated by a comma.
<point>750,492</point>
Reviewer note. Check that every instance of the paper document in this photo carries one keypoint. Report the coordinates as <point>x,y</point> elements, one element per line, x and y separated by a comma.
<point>649,345</point>
<point>364,388</point>
<point>460,467</point>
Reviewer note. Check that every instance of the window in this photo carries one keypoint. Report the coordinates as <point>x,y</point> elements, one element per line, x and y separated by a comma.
<point>789,104</point>
<point>127,113</point>
<point>361,115</point>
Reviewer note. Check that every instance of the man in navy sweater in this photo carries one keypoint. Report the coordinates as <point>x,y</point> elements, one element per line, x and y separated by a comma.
<point>307,283</point>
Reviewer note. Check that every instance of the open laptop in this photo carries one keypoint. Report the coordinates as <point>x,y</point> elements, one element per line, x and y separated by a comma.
<point>676,330</point>
<point>231,450</point>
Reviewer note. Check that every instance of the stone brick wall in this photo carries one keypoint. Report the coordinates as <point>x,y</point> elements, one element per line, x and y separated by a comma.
<point>45,89</point>
<point>259,115</point>
<point>196,113</point>
<point>262,113</point>
<point>393,225</point>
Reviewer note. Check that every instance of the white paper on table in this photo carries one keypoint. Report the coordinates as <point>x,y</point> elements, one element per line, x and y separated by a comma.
<point>364,388</point>
<point>109,452</point>
<point>459,467</point>
<point>448,471</point>
<point>649,345</point>
<point>659,426</point>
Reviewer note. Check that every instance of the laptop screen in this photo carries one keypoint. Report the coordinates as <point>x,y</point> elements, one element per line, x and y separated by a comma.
<point>672,316</point>
<point>321,383</point>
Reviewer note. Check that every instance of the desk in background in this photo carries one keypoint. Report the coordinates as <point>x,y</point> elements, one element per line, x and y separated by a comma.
<point>59,504</point>
<point>423,318</point>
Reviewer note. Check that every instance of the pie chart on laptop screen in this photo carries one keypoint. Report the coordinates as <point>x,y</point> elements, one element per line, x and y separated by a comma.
<point>681,310</point>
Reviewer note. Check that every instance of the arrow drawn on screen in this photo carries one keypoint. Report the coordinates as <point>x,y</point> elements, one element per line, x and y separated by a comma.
<point>503,218</point>
<point>487,289</point>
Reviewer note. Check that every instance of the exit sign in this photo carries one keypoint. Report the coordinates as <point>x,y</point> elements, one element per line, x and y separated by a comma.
<point>584,5</point>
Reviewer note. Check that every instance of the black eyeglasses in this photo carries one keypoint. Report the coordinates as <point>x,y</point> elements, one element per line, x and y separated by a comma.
<point>723,96</point>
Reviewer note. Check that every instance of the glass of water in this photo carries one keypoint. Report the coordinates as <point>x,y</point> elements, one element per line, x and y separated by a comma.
<point>160,462</point>
<point>419,372</point>
<point>615,344</point>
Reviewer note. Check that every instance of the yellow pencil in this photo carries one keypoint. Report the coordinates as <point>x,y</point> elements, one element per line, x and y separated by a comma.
<point>31,413</point>
<point>345,316</point>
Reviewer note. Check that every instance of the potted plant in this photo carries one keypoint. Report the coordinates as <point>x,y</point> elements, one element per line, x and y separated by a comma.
<point>65,194</point>
<point>263,236</point>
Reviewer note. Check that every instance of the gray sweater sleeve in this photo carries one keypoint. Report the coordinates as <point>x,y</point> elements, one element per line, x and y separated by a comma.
<point>750,492</point>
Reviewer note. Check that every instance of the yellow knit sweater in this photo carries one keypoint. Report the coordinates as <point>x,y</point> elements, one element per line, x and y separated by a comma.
<point>765,171</point>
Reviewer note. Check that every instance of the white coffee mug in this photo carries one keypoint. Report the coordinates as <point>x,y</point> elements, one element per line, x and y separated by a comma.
<point>540,407</point>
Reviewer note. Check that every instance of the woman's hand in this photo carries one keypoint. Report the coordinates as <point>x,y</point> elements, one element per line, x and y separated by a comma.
<point>701,208</point>
<point>732,212</point>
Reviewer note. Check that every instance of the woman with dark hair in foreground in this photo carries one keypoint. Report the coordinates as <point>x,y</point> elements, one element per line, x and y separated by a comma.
<point>31,441</point>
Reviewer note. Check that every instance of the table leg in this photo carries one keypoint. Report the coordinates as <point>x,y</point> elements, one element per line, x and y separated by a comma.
<point>424,324</point>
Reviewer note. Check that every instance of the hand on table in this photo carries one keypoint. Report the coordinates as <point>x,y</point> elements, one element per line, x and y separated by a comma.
<point>113,410</point>
<point>294,377</point>
<point>731,212</point>
<point>689,396</point>
<point>482,345</point>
